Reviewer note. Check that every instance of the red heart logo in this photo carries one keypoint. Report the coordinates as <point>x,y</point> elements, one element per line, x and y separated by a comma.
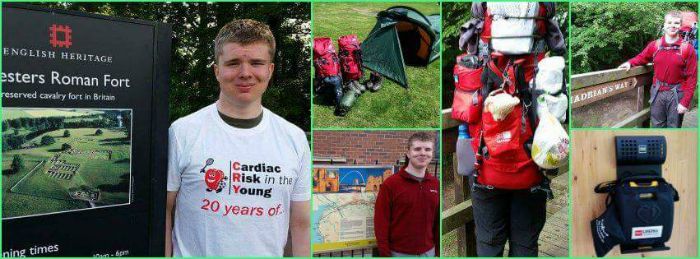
<point>212,178</point>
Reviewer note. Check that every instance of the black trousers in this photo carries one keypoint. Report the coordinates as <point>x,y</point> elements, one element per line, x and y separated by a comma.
<point>516,216</point>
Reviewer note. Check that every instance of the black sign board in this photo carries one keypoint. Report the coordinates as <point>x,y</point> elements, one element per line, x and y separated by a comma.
<point>84,113</point>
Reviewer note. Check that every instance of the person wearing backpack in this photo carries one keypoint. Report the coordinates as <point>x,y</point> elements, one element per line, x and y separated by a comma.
<point>504,43</point>
<point>675,73</point>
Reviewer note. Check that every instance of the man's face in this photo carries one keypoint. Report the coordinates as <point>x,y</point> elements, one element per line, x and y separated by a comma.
<point>420,153</point>
<point>672,25</point>
<point>243,71</point>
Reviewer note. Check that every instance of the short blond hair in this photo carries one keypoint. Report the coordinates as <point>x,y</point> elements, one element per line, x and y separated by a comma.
<point>244,32</point>
<point>674,14</point>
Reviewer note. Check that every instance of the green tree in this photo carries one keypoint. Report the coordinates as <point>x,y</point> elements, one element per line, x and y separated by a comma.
<point>98,132</point>
<point>126,122</point>
<point>17,163</point>
<point>47,140</point>
<point>65,146</point>
<point>195,25</point>
<point>605,35</point>
<point>66,133</point>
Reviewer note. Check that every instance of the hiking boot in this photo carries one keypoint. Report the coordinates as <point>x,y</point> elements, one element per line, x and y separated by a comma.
<point>375,82</point>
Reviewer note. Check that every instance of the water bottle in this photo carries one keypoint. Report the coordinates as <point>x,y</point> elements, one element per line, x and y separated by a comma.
<point>465,153</point>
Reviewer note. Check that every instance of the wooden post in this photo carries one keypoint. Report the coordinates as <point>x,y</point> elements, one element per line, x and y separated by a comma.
<point>640,98</point>
<point>469,228</point>
<point>459,198</point>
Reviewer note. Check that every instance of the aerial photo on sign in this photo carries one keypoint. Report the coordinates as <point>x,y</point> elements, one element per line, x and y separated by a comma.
<point>343,206</point>
<point>60,160</point>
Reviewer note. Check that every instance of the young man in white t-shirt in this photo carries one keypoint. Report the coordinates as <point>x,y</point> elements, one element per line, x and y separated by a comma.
<point>238,174</point>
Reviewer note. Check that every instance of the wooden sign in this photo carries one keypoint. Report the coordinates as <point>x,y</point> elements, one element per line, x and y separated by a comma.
<point>584,96</point>
<point>85,115</point>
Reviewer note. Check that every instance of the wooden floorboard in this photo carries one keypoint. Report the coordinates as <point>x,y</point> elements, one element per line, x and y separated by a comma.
<point>554,239</point>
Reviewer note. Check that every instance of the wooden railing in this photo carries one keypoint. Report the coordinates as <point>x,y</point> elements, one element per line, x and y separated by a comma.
<point>612,98</point>
<point>460,216</point>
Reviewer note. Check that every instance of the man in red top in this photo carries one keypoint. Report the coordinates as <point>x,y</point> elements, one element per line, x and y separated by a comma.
<point>675,74</point>
<point>406,214</point>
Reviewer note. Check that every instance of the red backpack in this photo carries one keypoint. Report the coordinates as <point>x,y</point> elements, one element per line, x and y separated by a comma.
<point>325,59</point>
<point>504,160</point>
<point>350,57</point>
<point>503,156</point>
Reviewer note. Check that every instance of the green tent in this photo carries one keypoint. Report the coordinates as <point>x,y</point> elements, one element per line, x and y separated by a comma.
<point>402,36</point>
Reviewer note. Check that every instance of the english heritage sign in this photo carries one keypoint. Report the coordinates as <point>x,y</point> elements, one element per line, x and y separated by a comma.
<point>84,130</point>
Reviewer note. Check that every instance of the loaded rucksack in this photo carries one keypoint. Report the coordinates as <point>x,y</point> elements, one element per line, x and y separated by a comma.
<point>689,27</point>
<point>350,57</point>
<point>504,144</point>
<point>501,67</point>
<point>325,59</point>
<point>327,67</point>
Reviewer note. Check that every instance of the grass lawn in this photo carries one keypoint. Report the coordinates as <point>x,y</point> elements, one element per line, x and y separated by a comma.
<point>47,194</point>
<point>393,106</point>
<point>18,204</point>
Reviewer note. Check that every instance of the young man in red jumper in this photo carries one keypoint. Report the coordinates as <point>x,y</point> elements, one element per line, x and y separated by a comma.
<point>406,213</point>
<point>675,74</point>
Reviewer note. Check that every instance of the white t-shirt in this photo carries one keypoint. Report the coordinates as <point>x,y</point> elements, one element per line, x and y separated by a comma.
<point>239,204</point>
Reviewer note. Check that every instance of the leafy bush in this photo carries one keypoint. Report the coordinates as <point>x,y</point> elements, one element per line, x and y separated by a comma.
<point>605,35</point>
<point>47,140</point>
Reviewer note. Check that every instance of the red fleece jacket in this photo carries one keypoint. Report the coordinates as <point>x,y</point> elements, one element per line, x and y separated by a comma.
<point>406,215</point>
<point>670,67</point>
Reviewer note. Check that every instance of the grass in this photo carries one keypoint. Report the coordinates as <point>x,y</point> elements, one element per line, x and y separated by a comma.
<point>47,194</point>
<point>16,204</point>
<point>393,106</point>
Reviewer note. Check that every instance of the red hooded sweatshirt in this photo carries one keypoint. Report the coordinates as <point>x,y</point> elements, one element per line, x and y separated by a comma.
<point>669,67</point>
<point>407,214</point>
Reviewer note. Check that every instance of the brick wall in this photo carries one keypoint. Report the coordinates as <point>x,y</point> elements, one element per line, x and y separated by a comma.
<point>365,147</point>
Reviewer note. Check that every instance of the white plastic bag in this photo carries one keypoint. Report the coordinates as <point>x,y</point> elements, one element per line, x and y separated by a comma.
<point>550,75</point>
<point>517,31</point>
<point>556,105</point>
<point>550,146</point>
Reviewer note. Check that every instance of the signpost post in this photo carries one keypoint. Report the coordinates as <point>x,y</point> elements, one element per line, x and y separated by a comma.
<point>85,118</point>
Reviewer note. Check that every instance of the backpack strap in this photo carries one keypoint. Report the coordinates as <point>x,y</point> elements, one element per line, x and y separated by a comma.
<point>657,44</point>
<point>683,49</point>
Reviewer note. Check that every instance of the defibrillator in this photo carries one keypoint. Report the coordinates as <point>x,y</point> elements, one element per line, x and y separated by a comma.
<point>639,206</point>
